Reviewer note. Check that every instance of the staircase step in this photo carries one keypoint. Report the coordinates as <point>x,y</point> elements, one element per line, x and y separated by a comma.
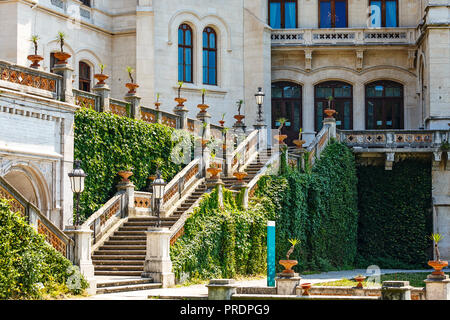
<point>118,273</point>
<point>118,257</point>
<point>117,262</point>
<point>126,238</point>
<point>128,288</point>
<point>125,246</point>
<point>120,252</point>
<point>119,268</point>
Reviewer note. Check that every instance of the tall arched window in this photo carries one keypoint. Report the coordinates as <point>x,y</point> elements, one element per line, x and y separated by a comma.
<point>384,105</point>
<point>287,103</point>
<point>209,56</point>
<point>84,76</point>
<point>283,14</point>
<point>185,49</point>
<point>342,102</point>
<point>384,13</point>
<point>333,13</point>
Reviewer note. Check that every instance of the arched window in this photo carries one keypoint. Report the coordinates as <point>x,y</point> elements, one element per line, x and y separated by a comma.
<point>384,105</point>
<point>287,103</point>
<point>86,2</point>
<point>342,102</point>
<point>84,76</point>
<point>209,56</point>
<point>384,13</point>
<point>185,49</point>
<point>283,14</point>
<point>333,13</point>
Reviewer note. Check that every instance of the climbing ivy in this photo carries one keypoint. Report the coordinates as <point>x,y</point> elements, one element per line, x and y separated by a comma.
<point>107,143</point>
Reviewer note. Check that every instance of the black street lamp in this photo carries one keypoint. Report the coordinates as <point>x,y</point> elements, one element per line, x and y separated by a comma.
<point>158,193</point>
<point>77,177</point>
<point>260,101</point>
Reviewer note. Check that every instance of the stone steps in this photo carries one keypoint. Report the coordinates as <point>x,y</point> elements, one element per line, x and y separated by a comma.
<point>126,285</point>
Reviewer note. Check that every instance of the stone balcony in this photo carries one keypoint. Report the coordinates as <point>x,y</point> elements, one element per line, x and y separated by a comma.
<point>343,37</point>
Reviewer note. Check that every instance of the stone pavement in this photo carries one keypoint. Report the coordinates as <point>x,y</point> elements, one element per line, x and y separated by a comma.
<point>200,291</point>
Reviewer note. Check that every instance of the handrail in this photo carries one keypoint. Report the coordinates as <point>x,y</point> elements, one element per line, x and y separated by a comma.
<point>60,241</point>
<point>249,146</point>
<point>251,186</point>
<point>318,144</point>
<point>87,99</point>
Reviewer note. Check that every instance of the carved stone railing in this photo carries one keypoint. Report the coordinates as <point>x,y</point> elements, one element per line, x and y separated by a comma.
<point>169,119</point>
<point>247,149</point>
<point>343,36</point>
<point>192,125</point>
<point>417,139</point>
<point>30,80</point>
<point>39,221</point>
<point>87,99</point>
<point>106,217</point>
<point>152,115</point>
<point>253,184</point>
<point>319,143</point>
<point>119,107</point>
<point>143,202</point>
<point>181,184</point>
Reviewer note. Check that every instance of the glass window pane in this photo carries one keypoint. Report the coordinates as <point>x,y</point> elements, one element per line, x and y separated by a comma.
<point>212,41</point>
<point>397,92</point>
<point>212,76</point>
<point>205,39</point>
<point>212,59</point>
<point>347,91</point>
<point>180,36</point>
<point>275,15</point>
<point>188,38</point>
<point>341,14</point>
<point>205,75</point>
<point>290,15</point>
<point>205,58</point>
<point>375,14</point>
<point>325,14</point>
<point>338,92</point>
<point>391,14</point>
<point>370,108</point>
<point>297,124</point>
<point>319,115</point>
<point>277,92</point>
<point>347,116</point>
<point>180,72</point>
<point>371,91</point>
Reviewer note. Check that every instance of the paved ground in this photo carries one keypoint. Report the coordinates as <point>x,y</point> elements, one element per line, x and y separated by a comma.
<point>201,290</point>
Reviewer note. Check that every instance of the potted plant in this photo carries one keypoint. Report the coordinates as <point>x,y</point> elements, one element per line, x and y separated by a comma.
<point>281,137</point>
<point>288,264</point>
<point>179,99</point>
<point>240,175</point>
<point>61,55</point>
<point>330,111</point>
<point>437,264</point>
<point>157,103</point>
<point>306,287</point>
<point>125,173</point>
<point>35,58</point>
<point>214,168</point>
<point>100,77</point>
<point>158,164</point>
<point>299,143</point>
<point>203,106</point>
<point>131,85</point>
<point>360,278</point>
<point>239,117</point>
<point>222,121</point>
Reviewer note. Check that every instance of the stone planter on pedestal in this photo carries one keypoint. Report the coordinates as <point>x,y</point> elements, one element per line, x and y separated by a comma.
<point>35,59</point>
<point>437,287</point>
<point>396,290</point>
<point>287,285</point>
<point>221,289</point>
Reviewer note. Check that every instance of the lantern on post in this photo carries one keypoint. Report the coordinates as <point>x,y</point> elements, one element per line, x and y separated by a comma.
<point>77,177</point>
<point>259,96</point>
<point>158,193</point>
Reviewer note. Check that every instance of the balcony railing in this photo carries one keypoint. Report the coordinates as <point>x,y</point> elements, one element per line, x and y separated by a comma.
<point>344,36</point>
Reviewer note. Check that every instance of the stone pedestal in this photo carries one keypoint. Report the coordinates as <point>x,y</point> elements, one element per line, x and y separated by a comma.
<point>437,287</point>
<point>181,111</point>
<point>262,135</point>
<point>128,187</point>
<point>396,290</point>
<point>332,123</point>
<point>287,285</point>
<point>105,93</point>
<point>66,72</point>
<point>221,289</point>
<point>157,261</point>
<point>135,103</point>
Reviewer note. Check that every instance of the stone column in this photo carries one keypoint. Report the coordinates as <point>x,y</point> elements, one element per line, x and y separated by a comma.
<point>287,285</point>
<point>135,103</point>
<point>157,260</point>
<point>245,195</point>
<point>181,111</point>
<point>205,118</point>
<point>396,290</point>
<point>105,93</point>
<point>262,135</point>
<point>437,287</point>
<point>66,72</point>
<point>308,113</point>
<point>128,187</point>
<point>221,289</point>
<point>332,123</point>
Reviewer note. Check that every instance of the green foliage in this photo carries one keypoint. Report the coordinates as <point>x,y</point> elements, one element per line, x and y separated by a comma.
<point>107,143</point>
<point>395,215</point>
<point>319,208</point>
<point>30,267</point>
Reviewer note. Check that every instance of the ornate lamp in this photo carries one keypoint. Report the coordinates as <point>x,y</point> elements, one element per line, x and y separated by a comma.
<point>158,193</point>
<point>260,101</point>
<point>77,177</point>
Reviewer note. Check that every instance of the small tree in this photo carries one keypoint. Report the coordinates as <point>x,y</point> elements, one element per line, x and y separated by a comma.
<point>436,237</point>
<point>293,243</point>
<point>34,39</point>
<point>61,39</point>
<point>130,71</point>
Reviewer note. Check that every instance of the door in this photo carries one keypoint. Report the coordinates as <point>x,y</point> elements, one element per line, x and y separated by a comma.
<point>384,106</point>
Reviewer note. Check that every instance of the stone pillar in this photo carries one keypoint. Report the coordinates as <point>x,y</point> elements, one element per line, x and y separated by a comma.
<point>221,289</point>
<point>66,72</point>
<point>245,195</point>
<point>332,123</point>
<point>181,111</point>
<point>308,114</point>
<point>262,135</point>
<point>437,287</point>
<point>128,186</point>
<point>105,93</point>
<point>135,103</point>
<point>157,260</point>
<point>396,290</point>
<point>287,285</point>
<point>205,118</point>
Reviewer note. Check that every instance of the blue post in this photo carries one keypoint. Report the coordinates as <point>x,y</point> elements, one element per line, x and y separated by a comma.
<point>271,253</point>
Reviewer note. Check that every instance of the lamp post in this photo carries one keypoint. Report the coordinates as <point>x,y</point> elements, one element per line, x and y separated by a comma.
<point>260,101</point>
<point>77,177</point>
<point>158,193</point>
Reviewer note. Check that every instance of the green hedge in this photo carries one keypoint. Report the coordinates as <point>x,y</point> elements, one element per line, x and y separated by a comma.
<point>319,208</point>
<point>29,267</point>
<point>395,215</point>
<point>107,143</point>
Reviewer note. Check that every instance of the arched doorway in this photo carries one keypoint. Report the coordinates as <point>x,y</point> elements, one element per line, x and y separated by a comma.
<point>342,102</point>
<point>384,105</point>
<point>287,103</point>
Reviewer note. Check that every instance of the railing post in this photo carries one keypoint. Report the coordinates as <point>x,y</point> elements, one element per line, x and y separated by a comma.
<point>135,103</point>
<point>66,72</point>
<point>128,187</point>
<point>332,123</point>
<point>181,111</point>
<point>204,117</point>
<point>105,94</point>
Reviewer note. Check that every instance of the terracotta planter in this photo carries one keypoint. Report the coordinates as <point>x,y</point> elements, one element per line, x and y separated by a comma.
<point>100,77</point>
<point>288,264</point>
<point>125,175</point>
<point>180,101</point>
<point>306,287</point>
<point>35,59</point>
<point>299,143</point>
<point>438,266</point>
<point>239,118</point>
<point>222,123</point>
<point>281,138</point>
<point>330,112</point>
<point>62,57</point>
<point>157,104</point>
<point>152,178</point>
<point>214,172</point>
<point>240,175</point>
<point>360,280</point>
<point>132,87</point>
<point>204,143</point>
<point>203,107</point>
